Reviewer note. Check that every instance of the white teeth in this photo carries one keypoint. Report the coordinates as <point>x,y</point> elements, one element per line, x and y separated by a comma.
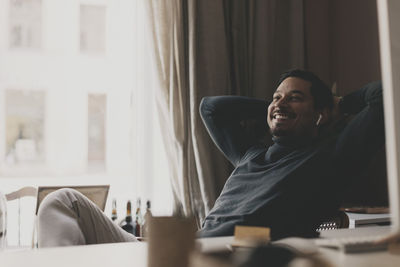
<point>280,116</point>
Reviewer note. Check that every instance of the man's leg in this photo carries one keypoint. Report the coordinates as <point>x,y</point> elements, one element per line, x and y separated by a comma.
<point>67,218</point>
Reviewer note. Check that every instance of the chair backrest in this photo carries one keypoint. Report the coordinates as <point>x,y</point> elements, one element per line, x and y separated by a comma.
<point>370,188</point>
<point>27,191</point>
<point>23,192</point>
<point>3,221</point>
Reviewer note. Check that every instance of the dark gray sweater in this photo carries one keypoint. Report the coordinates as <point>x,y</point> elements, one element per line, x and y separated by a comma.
<point>293,185</point>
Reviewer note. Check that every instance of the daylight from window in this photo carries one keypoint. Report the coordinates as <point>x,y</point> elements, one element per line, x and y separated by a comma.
<point>76,105</point>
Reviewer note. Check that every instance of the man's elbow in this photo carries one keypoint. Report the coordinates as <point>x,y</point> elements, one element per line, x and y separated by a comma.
<point>206,106</point>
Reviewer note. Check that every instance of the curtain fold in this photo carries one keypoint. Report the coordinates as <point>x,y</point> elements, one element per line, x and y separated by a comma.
<point>214,47</point>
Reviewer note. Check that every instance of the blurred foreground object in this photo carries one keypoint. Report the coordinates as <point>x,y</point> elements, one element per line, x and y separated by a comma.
<point>171,240</point>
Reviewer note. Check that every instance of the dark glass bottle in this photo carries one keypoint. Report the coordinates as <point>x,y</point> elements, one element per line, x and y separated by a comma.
<point>138,219</point>
<point>127,224</point>
<point>114,210</point>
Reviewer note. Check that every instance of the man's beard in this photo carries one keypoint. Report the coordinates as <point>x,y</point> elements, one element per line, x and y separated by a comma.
<point>279,132</point>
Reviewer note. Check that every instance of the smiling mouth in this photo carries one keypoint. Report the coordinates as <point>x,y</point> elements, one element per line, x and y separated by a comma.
<point>283,116</point>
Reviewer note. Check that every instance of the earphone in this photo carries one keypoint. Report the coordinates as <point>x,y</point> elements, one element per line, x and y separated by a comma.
<point>319,120</point>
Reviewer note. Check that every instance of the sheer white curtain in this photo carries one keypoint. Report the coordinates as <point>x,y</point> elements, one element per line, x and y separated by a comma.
<point>166,18</point>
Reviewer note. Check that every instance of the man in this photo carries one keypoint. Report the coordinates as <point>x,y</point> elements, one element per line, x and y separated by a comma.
<point>290,186</point>
<point>297,182</point>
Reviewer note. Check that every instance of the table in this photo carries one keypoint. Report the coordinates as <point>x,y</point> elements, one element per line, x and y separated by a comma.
<point>117,254</point>
<point>135,254</point>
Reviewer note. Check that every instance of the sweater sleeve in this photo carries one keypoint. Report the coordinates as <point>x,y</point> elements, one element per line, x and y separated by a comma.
<point>227,119</point>
<point>364,134</point>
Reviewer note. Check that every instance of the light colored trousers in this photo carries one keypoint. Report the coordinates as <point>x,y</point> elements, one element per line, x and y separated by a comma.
<point>68,218</point>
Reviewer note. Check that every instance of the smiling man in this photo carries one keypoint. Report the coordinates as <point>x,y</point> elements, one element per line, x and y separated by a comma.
<point>290,186</point>
<point>296,183</point>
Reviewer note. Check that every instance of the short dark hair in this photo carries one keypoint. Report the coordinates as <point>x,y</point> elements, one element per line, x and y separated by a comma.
<point>323,97</point>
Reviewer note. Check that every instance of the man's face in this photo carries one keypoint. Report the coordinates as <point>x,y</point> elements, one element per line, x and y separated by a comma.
<point>292,112</point>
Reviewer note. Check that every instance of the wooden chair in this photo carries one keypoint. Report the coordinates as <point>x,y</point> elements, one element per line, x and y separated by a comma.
<point>27,191</point>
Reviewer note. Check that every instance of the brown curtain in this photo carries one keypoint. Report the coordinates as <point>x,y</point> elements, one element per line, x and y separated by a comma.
<point>215,47</point>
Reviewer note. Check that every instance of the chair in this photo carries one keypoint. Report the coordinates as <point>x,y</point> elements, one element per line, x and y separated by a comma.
<point>27,191</point>
<point>3,220</point>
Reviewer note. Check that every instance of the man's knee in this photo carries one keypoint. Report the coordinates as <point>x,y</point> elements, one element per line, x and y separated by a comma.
<point>58,217</point>
<point>59,199</point>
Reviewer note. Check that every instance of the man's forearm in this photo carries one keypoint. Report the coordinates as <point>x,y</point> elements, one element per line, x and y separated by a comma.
<point>354,102</point>
<point>224,117</point>
<point>238,107</point>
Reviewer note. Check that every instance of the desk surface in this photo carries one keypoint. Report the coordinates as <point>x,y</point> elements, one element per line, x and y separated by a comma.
<point>135,254</point>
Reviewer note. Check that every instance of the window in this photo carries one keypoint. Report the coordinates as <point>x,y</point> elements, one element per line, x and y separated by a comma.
<point>73,119</point>
<point>92,28</point>
<point>25,23</point>
<point>24,127</point>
